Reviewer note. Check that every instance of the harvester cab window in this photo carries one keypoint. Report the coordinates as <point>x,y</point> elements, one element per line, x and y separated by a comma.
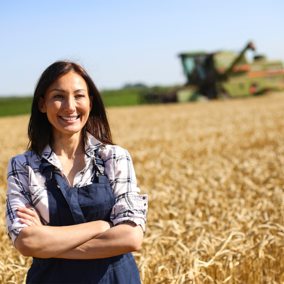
<point>189,66</point>
<point>194,68</point>
<point>200,60</point>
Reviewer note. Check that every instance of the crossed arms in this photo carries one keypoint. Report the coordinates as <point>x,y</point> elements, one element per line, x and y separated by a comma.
<point>97,239</point>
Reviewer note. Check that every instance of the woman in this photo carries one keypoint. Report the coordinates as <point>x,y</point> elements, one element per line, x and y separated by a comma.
<point>72,200</point>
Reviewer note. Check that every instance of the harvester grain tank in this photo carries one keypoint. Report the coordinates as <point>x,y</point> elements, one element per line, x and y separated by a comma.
<point>223,74</point>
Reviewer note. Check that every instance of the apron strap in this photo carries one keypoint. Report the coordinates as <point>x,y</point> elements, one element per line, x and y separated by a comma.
<point>99,165</point>
<point>46,169</point>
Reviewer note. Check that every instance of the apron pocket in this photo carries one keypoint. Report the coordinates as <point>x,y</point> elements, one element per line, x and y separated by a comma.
<point>97,212</point>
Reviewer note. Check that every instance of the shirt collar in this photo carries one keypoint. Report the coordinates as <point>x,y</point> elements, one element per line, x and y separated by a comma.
<point>47,152</point>
<point>91,145</point>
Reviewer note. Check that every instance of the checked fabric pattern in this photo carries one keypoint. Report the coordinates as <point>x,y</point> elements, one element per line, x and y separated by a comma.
<point>27,185</point>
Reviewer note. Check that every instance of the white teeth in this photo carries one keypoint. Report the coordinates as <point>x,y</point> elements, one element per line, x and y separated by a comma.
<point>69,118</point>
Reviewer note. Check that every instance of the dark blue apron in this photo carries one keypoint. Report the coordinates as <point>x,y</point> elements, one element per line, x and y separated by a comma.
<point>70,206</point>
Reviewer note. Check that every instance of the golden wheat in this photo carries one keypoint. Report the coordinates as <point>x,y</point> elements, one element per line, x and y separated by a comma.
<point>214,175</point>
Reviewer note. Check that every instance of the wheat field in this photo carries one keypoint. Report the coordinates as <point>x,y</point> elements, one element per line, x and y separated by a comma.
<point>214,175</point>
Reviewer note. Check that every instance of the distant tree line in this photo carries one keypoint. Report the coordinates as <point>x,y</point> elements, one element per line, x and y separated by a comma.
<point>134,86</point>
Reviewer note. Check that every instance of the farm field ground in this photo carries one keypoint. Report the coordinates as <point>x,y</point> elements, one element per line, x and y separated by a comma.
<point>214,174</point>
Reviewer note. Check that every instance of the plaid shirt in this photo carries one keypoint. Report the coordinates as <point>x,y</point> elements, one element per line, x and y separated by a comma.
<point>27,185</point>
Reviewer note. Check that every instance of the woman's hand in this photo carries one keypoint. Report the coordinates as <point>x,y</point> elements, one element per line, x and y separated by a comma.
<point>29,216</point>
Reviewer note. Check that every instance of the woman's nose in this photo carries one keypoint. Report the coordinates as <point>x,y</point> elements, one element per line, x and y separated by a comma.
<point>70,105</point>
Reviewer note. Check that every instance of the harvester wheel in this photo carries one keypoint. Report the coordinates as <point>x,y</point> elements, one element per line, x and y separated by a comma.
<point>223,94</point>
<point>252,89</point>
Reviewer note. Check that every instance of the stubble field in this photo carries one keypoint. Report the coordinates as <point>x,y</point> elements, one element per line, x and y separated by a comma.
<point>214,175</point>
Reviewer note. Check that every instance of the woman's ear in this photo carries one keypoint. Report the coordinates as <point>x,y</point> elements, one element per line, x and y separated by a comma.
<point>41,105</point>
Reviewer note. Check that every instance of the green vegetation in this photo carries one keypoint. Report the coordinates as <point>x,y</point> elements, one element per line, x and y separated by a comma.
<point>15,106</point>
<point>22,105</point>
<point>123,97</point>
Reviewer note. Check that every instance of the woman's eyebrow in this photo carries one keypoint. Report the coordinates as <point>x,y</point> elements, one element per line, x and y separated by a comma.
<point>80,90</point>
<point>60,90</point>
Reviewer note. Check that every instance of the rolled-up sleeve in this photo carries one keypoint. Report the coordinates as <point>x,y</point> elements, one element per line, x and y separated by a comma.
<point>17,196</point>
<point>129,205</point>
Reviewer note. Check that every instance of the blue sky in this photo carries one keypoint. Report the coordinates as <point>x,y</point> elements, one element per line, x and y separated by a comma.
<point>122,41</point>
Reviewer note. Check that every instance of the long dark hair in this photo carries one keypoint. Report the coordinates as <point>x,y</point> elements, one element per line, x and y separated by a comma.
<point>40,129</point>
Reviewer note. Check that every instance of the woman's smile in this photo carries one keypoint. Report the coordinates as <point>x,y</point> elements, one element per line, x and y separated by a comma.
<point>70,118</point>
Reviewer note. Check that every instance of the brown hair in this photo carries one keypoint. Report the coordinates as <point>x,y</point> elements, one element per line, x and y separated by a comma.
<point>40,129</point>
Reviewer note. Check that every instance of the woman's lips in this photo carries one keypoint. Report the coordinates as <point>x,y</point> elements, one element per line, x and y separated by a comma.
<point>70,118</point>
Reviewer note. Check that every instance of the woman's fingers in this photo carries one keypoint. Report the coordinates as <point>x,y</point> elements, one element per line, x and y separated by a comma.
<point>33,209</point>
<point>27,211</point>
<point>28,222</point>
<point>30,207</point>
<point>26,217</point>
<point>29,214</point>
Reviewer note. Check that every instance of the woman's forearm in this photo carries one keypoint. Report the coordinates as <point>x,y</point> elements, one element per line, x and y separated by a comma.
<point>48,241</point>
<point>117,240</point>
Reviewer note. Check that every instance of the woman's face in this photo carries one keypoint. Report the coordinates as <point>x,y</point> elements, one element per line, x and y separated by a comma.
<point>67,104</point>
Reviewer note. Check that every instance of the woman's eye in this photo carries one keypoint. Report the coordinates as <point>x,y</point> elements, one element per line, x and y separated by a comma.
<point>58,96</point>
<point>80,96</point>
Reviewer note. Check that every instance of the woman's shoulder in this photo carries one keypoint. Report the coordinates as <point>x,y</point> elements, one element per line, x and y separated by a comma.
<point>114,148</point>
<point>25,159</point>
<point>106,151</point>
<point>113,151</point>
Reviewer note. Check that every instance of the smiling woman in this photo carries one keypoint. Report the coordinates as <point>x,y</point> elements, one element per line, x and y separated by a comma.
<point>72,200</point>
<point>67,105</point>
<point>56,78</point>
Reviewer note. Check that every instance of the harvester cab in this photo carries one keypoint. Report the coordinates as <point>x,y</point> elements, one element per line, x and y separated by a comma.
<point>199,71</point>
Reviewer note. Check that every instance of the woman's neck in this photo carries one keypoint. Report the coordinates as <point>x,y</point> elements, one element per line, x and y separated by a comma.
<point>68,146</point>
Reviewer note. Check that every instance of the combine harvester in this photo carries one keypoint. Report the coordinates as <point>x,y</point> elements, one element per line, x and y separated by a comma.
<point>222,74</point>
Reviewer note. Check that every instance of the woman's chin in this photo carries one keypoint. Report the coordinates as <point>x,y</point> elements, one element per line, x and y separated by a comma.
<point>69,131</point>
